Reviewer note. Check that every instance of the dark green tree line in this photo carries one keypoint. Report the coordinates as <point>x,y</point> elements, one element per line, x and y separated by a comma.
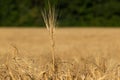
<point>70,13</point>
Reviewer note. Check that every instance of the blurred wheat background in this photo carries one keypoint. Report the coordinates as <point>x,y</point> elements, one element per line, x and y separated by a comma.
<point>76,48</point>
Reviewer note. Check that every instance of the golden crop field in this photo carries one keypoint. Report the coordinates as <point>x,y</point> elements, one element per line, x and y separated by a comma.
<point>80,54</point>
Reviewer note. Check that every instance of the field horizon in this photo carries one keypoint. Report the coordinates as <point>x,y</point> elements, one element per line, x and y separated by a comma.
<point>36,40</point>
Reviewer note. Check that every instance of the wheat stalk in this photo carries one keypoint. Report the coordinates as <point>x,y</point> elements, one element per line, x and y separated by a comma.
<point>49,17</point>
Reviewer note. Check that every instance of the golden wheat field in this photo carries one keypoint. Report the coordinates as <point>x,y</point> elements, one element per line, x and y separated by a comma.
<point>80,54</point>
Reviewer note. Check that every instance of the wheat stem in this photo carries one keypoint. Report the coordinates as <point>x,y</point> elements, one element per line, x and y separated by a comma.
<point>50,22</point>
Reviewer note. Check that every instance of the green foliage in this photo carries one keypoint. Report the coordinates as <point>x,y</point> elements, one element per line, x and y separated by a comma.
<point>71,13</point>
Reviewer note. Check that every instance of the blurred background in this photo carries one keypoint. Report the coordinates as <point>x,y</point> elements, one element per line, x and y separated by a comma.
<point>80,13</point>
